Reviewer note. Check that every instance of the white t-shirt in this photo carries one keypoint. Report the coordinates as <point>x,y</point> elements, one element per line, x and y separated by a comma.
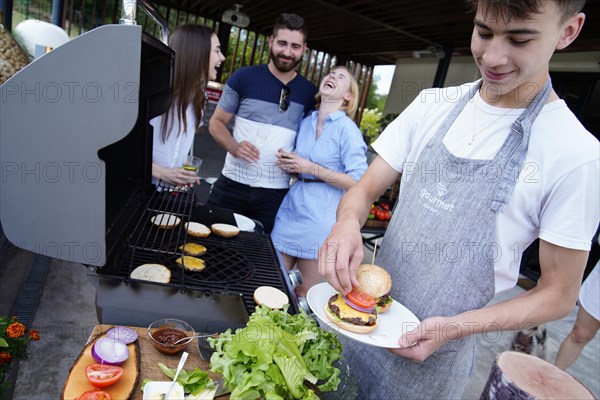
<point>556,197</point>
<point>172,153</point>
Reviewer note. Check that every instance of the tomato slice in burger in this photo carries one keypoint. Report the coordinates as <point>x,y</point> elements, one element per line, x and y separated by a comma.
<point>102,375</point>
<point>95,395</point>
<point>361,299</point>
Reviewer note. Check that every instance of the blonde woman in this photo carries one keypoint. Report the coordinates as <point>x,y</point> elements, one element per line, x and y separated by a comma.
<point>329,159</point>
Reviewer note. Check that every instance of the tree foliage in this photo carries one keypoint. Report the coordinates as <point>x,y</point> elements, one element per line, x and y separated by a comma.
<point>375,100</point>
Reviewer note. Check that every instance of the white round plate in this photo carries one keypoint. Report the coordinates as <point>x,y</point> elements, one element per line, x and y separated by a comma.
<point>244,223</point>
<point>392,324</point>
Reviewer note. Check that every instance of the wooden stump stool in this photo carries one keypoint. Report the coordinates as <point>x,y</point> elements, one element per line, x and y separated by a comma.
<point>522,376</point>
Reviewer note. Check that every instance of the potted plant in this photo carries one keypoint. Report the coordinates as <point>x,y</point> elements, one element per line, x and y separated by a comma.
<point>14,337</point>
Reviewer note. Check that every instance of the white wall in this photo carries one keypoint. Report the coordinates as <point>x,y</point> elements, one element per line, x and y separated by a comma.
<point>413,75</point>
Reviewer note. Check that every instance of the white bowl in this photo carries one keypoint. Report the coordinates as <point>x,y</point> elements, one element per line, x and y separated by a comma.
<point>154,390</point>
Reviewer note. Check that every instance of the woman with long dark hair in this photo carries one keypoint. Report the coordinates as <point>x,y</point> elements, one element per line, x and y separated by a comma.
<point>197,57</point>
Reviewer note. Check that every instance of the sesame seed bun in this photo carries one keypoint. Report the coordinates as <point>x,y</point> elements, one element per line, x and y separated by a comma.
<point>373,280</point>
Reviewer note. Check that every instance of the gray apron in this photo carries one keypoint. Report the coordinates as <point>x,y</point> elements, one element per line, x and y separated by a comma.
<point>439,250</point>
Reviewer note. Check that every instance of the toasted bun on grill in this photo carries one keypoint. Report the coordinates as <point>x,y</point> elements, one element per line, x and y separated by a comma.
<point>191,263</point>
<point>270,297</point>
<point>373,280</point>
<point>349,326</point>
<point>152,272</point>
<point>165,221</point>
<point>225,230</point>
<point>193,249</point>
<point>196,229</point>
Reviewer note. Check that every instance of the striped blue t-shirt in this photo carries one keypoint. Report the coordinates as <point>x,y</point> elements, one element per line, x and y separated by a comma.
<point>253,94</point>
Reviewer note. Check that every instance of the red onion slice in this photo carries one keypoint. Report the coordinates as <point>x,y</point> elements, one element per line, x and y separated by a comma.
<point>122,334</point>
<point>357,308</point>
<point>110,351</point>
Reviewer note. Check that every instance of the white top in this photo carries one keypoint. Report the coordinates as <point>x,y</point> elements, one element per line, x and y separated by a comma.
<point>557,194</point>
<point>268,138</point>
<point>172,153</point>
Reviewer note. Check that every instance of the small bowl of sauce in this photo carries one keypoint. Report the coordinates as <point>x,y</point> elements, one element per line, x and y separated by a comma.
<point>163,333</point>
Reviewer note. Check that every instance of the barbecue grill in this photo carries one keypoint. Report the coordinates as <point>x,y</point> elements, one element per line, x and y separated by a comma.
<point>76,155</point>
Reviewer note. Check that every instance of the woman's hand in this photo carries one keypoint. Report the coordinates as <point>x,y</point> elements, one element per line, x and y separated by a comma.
<point>294,164</point>
<point>175,176</point>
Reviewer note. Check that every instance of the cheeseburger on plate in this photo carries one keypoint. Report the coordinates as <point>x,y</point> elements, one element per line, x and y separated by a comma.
<point>357,311</point>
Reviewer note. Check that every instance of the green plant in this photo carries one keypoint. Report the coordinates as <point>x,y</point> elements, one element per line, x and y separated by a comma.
<point>370,123</point>
<point>13,345</point>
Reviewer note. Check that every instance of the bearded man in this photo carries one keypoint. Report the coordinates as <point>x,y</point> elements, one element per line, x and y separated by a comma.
<point>268,102</point>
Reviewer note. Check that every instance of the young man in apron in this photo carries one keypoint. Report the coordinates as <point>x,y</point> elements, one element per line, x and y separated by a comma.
<point>486,168</point>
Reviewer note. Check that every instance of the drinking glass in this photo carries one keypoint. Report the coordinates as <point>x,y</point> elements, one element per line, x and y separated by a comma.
<point>192,163</point>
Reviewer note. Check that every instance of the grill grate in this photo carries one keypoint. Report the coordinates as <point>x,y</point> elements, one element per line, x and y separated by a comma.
<point>236,265</point>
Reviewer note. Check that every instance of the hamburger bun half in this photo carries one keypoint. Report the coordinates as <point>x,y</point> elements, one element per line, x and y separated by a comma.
<point>225,230</point>
<point>197,229</point>
<point>348,325</point>
<point>165,221</point>
<point>384,303</point>
<point>270,297</point>
<point>152,272</point>
<point>373,280</point>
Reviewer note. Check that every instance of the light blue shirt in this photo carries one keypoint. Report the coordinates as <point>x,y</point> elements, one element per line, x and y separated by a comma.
<point>307,212</point>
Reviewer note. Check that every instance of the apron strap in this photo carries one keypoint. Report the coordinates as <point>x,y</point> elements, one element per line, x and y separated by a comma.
<point>520,131</point>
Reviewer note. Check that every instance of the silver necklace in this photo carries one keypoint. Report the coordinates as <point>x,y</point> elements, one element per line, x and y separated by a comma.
<point>478,132</point>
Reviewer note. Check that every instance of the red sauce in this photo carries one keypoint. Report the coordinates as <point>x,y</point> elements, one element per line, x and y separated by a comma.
<point>168,336</point>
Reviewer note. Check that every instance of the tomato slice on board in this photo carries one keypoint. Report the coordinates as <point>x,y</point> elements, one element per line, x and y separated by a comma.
<point>361,299</point>
<point>101,375</point>
<point>95,395</point>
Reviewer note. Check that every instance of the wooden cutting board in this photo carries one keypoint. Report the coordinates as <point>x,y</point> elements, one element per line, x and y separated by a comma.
<point>77,382</point>
<point>148,359</point>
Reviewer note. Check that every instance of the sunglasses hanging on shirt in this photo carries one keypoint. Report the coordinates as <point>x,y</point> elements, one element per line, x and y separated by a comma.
<point>284,101</point>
